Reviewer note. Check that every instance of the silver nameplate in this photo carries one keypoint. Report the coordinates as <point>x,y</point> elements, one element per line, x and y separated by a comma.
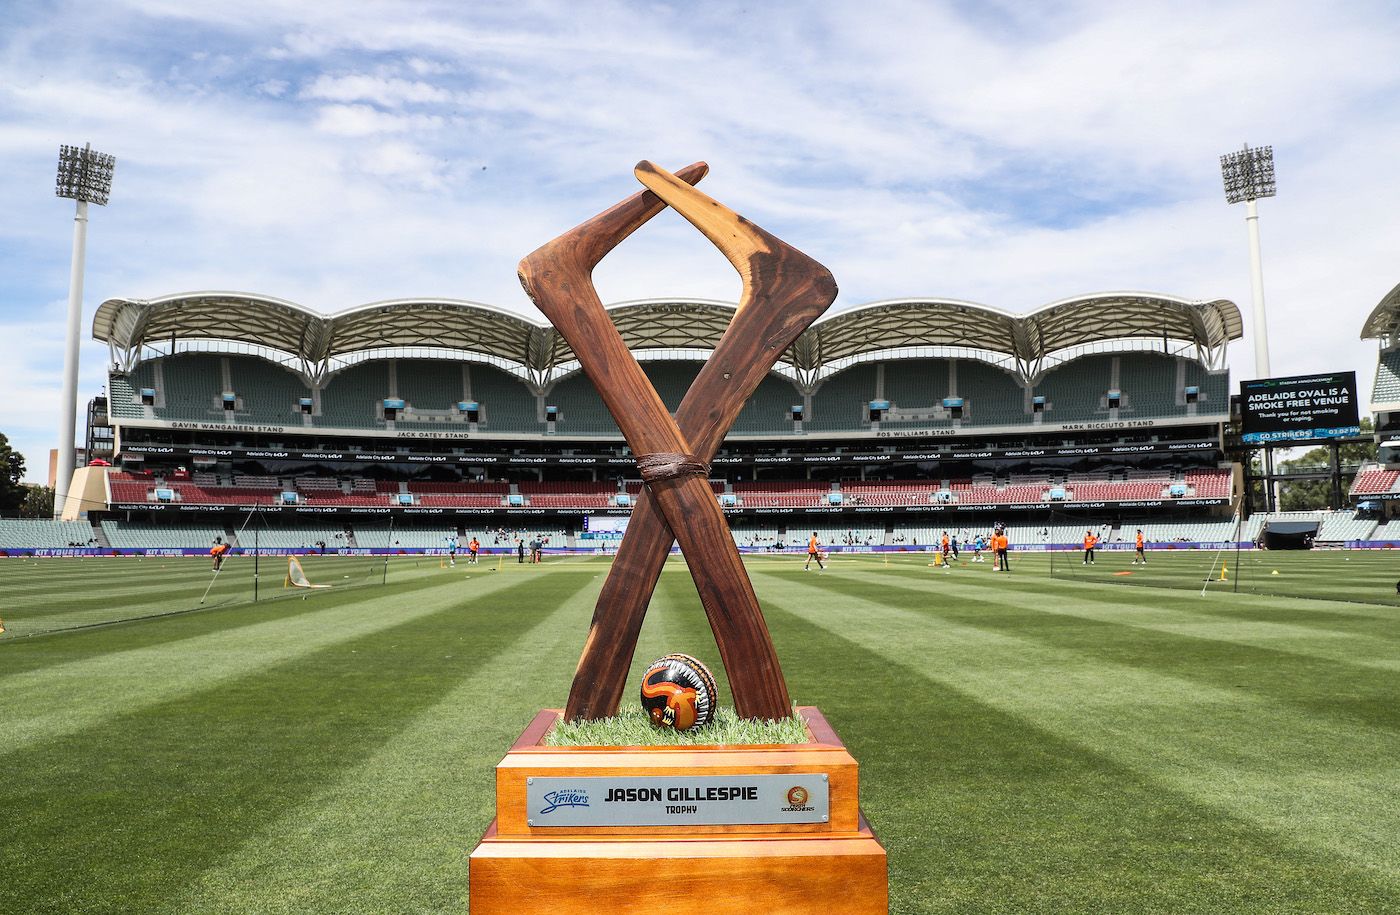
<point>710,800</point>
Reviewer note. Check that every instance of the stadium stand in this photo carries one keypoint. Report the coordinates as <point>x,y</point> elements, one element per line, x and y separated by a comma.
<point>992,396</point>
<point>904,535</point>
<point>671,378</point>
<point>1075,391</point>
<point>754,536</point>
<point>1341,526</point>
<point>1024,535</point>
<point>458,495</point>
<point>1149,385</point>
<point>889,492</point>
<point>348,399</point>
<point>568,495</point>
<point>1158,532</point>
<point>1390,531</point>
<point>44,534</point>
<point>916,389</point>
<point>1372,480</point>
<point>839,535</point>
<point>782,495</point>
<point>927,358</point>
<point>1387,384</point>
<point>189,387</point>
<point>305,538</point>
<point>506,404</point>
<point>1209,484</point>
<point>138,535</point>
<point>769,410</point>
<point>581,410</point>
<point>430,385</point>
<point>843,400</point>
<point>267,393</point>
<point>1213,387</point>
<point>381,536</point>
<point>123,400</point>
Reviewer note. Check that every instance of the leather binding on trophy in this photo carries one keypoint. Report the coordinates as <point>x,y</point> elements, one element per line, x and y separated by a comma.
<point>569,835</point>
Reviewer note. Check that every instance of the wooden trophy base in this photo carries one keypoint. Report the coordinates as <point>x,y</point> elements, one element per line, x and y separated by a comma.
<point>833,865</point>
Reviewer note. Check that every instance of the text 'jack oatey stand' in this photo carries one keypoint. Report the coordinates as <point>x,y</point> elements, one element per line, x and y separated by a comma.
<point>772,828</point>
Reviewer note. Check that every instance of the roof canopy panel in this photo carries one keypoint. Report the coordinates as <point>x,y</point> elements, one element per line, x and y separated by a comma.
<point>128,325</point>
<point>440,323</point>
<point>1384,320</point>
<point>1122,315</point>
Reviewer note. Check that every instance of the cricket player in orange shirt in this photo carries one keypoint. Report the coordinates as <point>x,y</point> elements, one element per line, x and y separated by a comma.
<point>1090,541</point>
<point>814,552</point>
<point>1141,556</point>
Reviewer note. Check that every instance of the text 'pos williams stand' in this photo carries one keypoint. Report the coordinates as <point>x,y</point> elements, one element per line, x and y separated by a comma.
<point>772,828</point>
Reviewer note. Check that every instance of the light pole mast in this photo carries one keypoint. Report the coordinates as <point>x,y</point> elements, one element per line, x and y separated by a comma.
<point>84,176</point>
<point>1248,176</point>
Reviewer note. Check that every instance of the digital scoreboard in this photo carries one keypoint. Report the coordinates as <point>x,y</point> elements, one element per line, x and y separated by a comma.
<point>1299,408</point>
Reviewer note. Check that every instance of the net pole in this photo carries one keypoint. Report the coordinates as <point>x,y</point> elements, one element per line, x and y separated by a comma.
<point>255,565</point>
<point>384,578</point>
<point>1216,559</point>
<point>215,577</point>
<point>1239,523</point>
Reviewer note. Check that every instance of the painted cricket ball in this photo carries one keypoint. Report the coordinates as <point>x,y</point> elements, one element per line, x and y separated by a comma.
<point>679,692</point>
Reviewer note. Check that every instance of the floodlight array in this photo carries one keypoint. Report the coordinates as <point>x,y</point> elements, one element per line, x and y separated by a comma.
<point>84,174</point>
<point>1248,174</point>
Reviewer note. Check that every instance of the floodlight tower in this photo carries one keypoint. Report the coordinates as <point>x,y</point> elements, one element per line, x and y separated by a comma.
<point>84,176</point>
<point>1249,175</point>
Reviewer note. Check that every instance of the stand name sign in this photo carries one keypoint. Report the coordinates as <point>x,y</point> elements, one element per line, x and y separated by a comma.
<point>708,800</point>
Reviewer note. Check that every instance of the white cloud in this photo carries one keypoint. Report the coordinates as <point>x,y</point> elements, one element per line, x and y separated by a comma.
<point>385,91</point>
<point>365,121</point>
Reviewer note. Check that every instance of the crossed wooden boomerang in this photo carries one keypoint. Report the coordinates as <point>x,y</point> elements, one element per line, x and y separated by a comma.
<point>784,291</point>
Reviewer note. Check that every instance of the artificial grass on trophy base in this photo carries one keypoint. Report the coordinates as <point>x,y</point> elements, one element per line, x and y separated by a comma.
<point>632,728</point>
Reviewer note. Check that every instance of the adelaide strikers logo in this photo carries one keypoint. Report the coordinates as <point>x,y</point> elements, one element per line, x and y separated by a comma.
<point>797,798</point>
<point>564,797</point>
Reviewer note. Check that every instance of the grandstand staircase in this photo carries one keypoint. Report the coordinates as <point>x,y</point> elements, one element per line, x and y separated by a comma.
<point>100,535</point>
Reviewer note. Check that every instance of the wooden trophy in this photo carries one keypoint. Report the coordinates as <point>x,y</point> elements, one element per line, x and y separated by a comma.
<point>773,828</point>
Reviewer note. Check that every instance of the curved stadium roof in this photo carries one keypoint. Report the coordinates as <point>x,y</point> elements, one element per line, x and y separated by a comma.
<point>1384,320</point>
<point>317,341</point>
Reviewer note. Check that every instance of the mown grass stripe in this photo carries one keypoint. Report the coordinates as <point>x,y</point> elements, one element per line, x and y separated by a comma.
<point>1222,600</point>
<point>436,775</point>
<point>67,697</point>
<point>69,605</point>
<point>20,655</point>
<point>224,761</point>
<point>984,809</point>
<point>1330,687</point>
<point>1366,641</point>
<point>1252,756</point>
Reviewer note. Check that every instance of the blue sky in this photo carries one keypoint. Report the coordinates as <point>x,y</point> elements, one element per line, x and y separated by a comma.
<point>337,153</point>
